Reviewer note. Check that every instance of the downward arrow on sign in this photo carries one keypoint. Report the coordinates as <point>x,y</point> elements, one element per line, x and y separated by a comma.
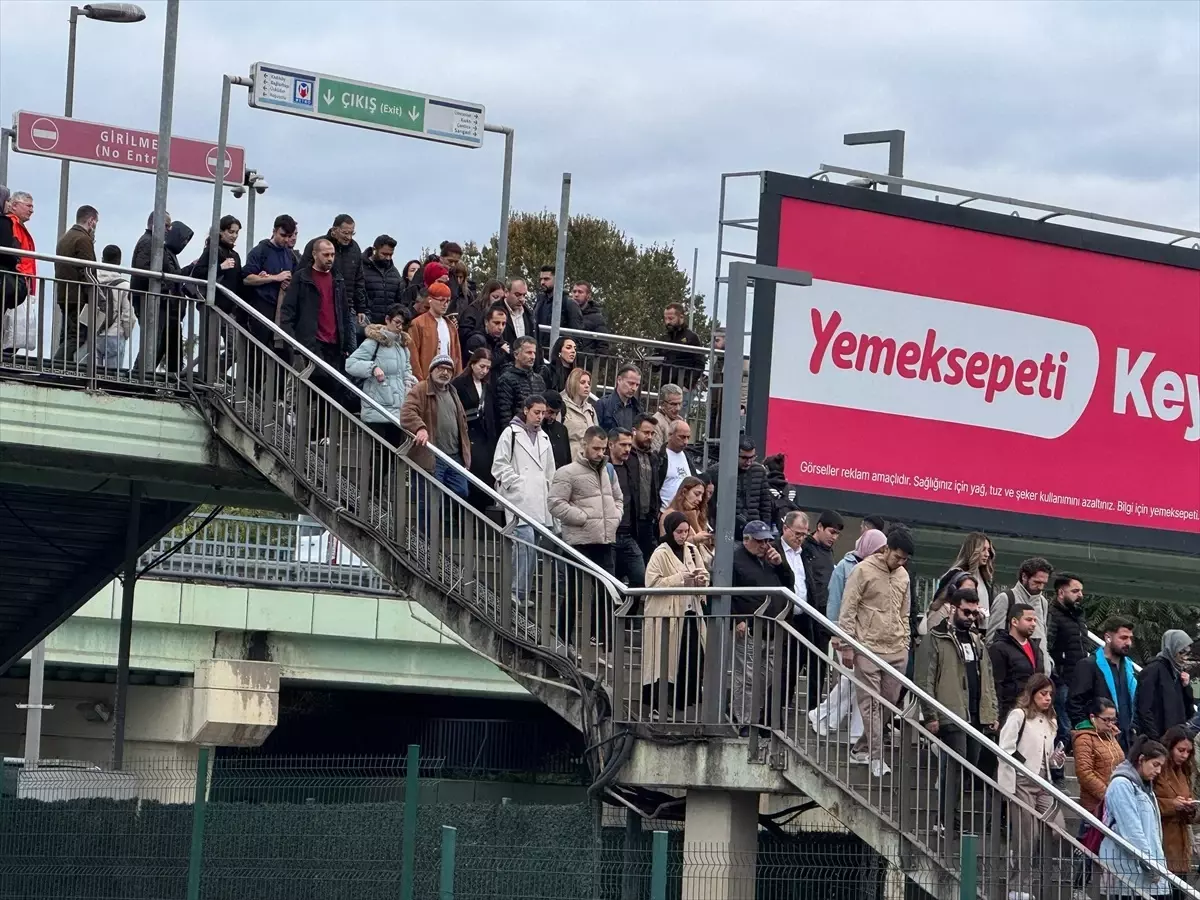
<point>329,97</point>
<point>413,113</point>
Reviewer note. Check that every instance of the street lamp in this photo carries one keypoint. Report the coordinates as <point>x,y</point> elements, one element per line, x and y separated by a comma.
<point>120,13</point>
<point>895,141</point>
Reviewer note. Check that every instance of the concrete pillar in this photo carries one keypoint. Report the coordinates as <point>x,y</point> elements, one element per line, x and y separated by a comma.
<point>720,845</point>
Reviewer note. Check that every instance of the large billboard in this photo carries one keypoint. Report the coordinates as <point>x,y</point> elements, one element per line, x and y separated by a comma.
<point>959,367</point>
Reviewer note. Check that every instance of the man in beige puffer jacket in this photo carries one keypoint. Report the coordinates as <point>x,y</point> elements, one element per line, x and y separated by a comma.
<point>585,498</point>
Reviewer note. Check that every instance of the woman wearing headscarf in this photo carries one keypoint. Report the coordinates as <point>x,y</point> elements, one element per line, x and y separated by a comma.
<point>675,563</point>
<point>829,715</point>
<point>1163,699</point>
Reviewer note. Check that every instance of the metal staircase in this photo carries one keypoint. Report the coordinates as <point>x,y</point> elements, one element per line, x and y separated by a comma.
<point>576,640</point>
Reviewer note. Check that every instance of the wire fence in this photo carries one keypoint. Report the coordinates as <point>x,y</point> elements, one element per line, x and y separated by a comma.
<point>360,828</point>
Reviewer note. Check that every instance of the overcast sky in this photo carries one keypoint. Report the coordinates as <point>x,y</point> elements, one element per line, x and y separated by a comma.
<point>1091,105</point>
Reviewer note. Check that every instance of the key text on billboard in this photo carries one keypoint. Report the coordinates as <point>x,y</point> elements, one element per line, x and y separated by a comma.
<point>943,364</point>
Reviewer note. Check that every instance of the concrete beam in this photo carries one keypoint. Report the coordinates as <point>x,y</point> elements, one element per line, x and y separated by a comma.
<point>235,703</point>
<point>715,764</point>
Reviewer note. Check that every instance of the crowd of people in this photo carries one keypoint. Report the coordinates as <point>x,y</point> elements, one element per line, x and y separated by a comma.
<point>466,371</point>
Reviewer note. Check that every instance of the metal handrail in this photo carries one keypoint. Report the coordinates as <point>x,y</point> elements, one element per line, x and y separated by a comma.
<point>339,378</point>
<point>606,337</point>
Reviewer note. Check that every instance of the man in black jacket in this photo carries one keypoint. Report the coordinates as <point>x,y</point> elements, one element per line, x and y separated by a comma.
<point>348,262</point>
<point>570,317</point>
<point>492,340</point>
<point>756,563</point>
<point>650,470</point>
<point>816,554</point>
<point>519,321</point>
<point>518,381</point>
<point>631,565</point>
<point>168,345</point>
<point>1016,654</point>
<point>316,314</point>
<point>754,498</point>
<point>682,367</point>
<point>1108,673</point>
<point>560,441</point>
<point>591,316</point>
<point>382,281</point>
<point>1067,643</point>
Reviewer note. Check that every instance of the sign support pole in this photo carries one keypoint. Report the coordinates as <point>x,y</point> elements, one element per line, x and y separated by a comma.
<point>162,172</point>
<point>214,231</point>
<point>6,136</point>
<point>505,194</point>
<point>560,260</point>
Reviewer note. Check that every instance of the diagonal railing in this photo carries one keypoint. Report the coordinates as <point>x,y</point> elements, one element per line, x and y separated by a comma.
<point>556,613</point>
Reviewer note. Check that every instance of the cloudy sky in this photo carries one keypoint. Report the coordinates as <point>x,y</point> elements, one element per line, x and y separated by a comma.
<point>1092,105</point>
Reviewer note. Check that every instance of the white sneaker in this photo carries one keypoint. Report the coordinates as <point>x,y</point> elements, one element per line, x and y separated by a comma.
<point>818,724</point>
<point>879,769</point>
<point>1020,895</point>
<point>1079,894</point>
<point>859,757</point>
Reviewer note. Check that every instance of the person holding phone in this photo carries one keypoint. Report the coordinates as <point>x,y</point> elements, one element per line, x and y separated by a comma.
<point>1027,737</point>
<point>675,563</point>
<point>1176,803</point>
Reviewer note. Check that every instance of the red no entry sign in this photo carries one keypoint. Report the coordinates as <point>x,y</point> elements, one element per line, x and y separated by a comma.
<point>121,148</point>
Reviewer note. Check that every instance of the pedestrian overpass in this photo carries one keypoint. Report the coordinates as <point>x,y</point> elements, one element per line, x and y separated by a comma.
<point>97,464</point>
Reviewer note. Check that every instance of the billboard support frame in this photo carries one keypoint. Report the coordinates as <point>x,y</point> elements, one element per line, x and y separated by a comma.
<point>741,274</point>
<point>777,186</point>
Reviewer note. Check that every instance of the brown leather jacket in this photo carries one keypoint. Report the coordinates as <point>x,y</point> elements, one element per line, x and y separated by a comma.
<point>423,338</point>
<point>420,411</point>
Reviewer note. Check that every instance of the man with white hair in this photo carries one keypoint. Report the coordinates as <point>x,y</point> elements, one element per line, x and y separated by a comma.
<point>20,211</point>
<point>670,408</point>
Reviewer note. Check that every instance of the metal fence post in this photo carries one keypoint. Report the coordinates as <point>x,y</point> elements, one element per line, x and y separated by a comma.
<point>412,791</point>
<point>968,887</point>
<point>449,838</point>
<point>199,803</point>
<point>658,867</point>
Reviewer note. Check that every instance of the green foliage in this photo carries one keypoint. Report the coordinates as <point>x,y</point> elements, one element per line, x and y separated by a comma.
<point>1151,619</point>
<point>633,283</point>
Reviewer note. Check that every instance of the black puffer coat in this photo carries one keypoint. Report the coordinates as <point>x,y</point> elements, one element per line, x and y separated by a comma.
<point>754,498</point>
<point>383,284</point>
<point>1066,639</point>
<point>514,385</point>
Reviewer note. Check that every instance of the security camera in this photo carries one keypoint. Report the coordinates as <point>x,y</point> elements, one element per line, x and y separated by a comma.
<point>861,183</point>
<point>238,192</point>
<point>261,185</point>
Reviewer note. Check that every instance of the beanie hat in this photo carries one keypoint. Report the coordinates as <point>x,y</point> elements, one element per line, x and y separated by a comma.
<point>553,399</point>
<point>441,360</point>
<point>439,290</point>
<point>434,271</point>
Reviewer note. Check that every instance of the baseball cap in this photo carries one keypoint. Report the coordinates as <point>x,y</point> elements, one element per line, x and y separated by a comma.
<point>758,530</point>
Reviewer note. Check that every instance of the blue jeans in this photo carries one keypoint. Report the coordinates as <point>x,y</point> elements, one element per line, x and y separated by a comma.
<point>524,559</point>
<point>451,478</point>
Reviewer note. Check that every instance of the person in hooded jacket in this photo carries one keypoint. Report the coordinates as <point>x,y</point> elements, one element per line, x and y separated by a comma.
<point>410,271</point>
<point>170,307</point>
<point>382,361</point>
<point>560,440</point>
<point>382,281</point>
<point>114,319</point>
<point>1163,697</point>
<point>591,317</point>
<point>472,319</point>
<point>348,261</point>
<point>1131,810</point>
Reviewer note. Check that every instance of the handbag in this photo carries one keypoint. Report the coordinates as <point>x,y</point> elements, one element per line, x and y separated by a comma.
<point>1091,838</point>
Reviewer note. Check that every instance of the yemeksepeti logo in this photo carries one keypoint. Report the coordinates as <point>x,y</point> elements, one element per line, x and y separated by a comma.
<point>888,352</point>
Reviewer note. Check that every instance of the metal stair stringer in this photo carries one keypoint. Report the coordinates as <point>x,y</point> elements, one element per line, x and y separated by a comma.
<point>543,680</point>
<point>906,854</point>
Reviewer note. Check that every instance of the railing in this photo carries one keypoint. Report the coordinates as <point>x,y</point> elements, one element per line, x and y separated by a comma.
<point>603,356</point>
<point>560,606</point>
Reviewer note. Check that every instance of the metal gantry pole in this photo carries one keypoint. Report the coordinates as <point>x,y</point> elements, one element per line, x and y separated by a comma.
<point>505,196</point>
<point>35,705</point>
<point>560,259</point>
<point>6,137</point>
<point>64,177</point>
<point>252,193</point>
<point>133,530</point>
<point>162,173</point>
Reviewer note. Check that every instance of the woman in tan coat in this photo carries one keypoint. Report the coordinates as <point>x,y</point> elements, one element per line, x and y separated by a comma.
<point>1176,805</point>
<point>674,563</point>
<point>578,412</point>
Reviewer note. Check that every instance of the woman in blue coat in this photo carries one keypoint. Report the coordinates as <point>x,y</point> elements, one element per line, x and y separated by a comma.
<point>382,361</point>
<point>1131,810</point>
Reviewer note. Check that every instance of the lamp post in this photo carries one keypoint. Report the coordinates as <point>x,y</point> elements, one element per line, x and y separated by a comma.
<point>120,13</point>
<point>895,141</point>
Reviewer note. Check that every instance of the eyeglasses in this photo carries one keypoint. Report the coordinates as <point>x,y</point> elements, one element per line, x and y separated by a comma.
<point>1108,719</point>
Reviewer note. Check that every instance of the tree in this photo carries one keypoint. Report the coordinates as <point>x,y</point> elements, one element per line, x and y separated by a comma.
<point>633,283</point>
